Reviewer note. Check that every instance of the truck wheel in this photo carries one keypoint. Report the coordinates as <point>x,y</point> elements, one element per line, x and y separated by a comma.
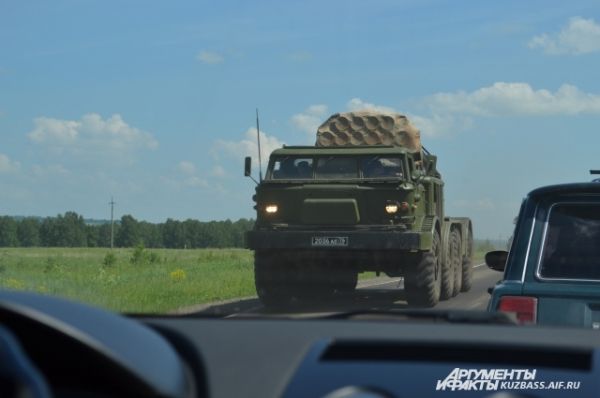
<point>456,259</point>
<point>346,281</point>
<point>423,280</point>
<point>312,281</point>
<point>448,271</point>
<point>467,266</point>
<point>273,286</point>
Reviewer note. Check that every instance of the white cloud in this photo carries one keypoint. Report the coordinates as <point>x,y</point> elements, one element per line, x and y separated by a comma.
<point>310,120</point>
<point>196,182</point>
<point>451,112</point>
<point>579,36</point>
<point>186,167</point>
<point>357,104</point>
<point>191,178</point>
<point>429,126</point>
<point>249,147</point>
<point>218,171</point>
<point>91,133</point>
<point>7,165</point>
<point>439,124</point>
<point>62,132</point>
<point>512,99</point>
<point>209,57</point>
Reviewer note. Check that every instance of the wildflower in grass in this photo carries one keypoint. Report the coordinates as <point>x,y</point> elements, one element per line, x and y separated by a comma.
<point>13,283</point>
<point>178,275</point>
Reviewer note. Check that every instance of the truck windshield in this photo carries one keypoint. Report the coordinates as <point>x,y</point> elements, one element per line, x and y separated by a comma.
<point>571,249</point>
<point>335,167</point>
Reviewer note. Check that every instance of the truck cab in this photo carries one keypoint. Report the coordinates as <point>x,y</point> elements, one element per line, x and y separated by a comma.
<point>362,188</point>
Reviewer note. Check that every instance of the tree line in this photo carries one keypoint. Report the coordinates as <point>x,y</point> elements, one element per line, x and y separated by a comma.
<point>71,230</point>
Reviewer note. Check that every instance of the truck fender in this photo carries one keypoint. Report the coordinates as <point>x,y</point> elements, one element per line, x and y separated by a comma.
<point>431,225</point>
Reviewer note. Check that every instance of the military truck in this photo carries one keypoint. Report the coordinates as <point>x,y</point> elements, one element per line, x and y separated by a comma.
<point>367,197</point>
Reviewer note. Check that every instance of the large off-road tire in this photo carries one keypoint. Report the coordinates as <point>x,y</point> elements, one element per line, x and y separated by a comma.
<point>456,259</point>
<point>274,286</point>
<point>345,281</point>
<point>423,280</point>
<point>467,265</point>
<point>448,272</point>
<point>286,278</point>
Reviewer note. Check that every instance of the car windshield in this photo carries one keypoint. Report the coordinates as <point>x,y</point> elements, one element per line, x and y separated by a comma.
<point>297,157</point>
<point>335,167</point>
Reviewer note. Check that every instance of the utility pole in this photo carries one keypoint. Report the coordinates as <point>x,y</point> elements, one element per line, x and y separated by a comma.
<point>112,222</point>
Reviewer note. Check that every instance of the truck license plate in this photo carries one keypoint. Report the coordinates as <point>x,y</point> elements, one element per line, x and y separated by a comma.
<point>330,241</point>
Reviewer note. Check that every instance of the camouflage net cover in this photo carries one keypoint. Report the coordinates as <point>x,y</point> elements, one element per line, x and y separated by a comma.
<point>369,128</point>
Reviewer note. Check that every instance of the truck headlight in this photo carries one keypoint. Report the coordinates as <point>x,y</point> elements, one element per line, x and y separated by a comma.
<point>391,208</point>
<point>271,209</point>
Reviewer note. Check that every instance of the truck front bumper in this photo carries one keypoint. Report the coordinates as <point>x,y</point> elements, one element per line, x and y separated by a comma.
<point>333,240</point>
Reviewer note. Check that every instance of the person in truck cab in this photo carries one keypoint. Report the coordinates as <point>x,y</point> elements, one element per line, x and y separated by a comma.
<point>304,169</point>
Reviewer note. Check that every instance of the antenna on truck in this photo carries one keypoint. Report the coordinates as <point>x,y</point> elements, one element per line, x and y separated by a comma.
<point>258,139</point>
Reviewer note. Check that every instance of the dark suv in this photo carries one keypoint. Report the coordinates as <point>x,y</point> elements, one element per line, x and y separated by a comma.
<point>552,272</point>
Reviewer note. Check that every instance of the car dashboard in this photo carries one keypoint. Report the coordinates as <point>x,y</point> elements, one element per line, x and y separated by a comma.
<point>82,351</point>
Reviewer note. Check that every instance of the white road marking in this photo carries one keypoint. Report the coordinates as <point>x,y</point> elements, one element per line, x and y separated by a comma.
<point>366,284</point>
<point>362,285</point>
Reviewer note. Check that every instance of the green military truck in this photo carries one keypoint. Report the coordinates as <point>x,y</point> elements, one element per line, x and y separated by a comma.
<point>366,197</point>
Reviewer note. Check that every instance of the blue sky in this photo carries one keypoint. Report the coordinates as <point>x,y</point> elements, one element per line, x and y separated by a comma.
<point>153,102</point>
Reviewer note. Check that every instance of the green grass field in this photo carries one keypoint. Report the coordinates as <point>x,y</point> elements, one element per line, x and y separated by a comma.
<point>160,280</point>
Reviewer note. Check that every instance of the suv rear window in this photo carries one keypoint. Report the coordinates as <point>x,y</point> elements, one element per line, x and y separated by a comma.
<point>572,242</point>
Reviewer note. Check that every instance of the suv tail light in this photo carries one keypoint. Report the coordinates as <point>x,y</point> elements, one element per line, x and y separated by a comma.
<point>524,307</point>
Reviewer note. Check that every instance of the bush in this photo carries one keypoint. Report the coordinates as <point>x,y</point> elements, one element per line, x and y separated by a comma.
<point>153,258</point>
<point>52,264</point>
<point>139,255</point>
<point>109,259</point>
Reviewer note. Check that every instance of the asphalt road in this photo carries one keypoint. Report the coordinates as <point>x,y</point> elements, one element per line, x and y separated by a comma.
<point>377,294</point>
<point>475,299</point>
